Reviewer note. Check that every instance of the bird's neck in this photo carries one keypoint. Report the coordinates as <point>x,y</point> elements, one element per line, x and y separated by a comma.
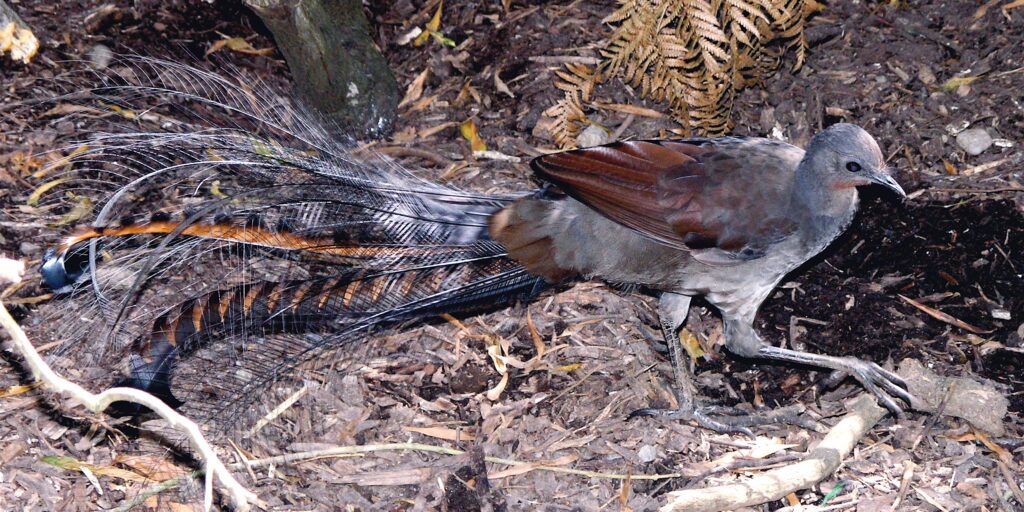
<point>829,210</point>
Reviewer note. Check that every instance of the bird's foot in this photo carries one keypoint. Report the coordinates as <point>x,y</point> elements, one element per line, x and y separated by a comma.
<point>730,420</point>
<point>883,383</point>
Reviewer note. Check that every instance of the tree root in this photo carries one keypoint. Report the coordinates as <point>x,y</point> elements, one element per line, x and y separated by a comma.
<point>240,497</point>
<point>772,485</point>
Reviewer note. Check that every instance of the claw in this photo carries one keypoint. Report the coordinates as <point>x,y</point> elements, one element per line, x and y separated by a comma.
<point>883,383</point>
<point>720,426</point>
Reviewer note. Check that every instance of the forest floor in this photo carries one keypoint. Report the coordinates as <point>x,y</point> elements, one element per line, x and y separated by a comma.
<point>956,246</point>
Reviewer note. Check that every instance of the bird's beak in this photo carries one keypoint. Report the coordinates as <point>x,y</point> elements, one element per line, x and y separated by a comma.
<point>887,181</point>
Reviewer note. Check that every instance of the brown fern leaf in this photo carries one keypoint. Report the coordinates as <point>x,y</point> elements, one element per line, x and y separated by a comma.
<point>578,82</point>
<point>692,55</point>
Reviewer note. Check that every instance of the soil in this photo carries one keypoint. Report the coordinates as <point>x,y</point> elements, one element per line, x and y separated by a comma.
<point>956,245</point>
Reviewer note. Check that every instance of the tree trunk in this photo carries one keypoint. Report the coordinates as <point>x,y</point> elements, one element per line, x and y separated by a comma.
<point>17,40</point>
<point>334,61</point>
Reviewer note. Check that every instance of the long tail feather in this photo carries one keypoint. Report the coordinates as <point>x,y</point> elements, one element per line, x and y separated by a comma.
<point>286,244</point>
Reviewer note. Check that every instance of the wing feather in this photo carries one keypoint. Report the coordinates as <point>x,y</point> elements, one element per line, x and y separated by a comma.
<point>728,194</point>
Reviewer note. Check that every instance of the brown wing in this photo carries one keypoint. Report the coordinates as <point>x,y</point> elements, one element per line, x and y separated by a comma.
<point>728,194</point>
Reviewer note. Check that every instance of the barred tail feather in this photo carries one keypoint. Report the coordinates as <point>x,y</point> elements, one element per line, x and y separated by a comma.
<point>290,241</point>
<point>340,308</point>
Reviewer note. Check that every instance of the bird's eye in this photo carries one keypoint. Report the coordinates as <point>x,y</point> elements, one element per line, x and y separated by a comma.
<point>852,166</point>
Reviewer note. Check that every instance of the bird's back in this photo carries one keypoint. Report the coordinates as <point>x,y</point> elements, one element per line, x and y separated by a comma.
<point>654,213</point>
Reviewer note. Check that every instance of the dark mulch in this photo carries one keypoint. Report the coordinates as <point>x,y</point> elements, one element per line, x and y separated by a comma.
<point>951,246</point>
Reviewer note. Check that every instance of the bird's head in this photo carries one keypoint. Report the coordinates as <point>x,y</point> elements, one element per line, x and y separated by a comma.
<point>844,156</point>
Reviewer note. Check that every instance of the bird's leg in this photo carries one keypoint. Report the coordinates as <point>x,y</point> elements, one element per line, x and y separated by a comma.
<point>742,340</point>
<point>672,310</point>
<point>883,383</point>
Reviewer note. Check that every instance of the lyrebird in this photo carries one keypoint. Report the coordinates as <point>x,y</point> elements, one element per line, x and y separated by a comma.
<point>333,245</point>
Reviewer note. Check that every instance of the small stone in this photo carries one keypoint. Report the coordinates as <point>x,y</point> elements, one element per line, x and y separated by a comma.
<point>974,141</point>
<point>647,453</point>
<point>957,127</point>
<point>30,249</point>
<point>591,136</point>
<point>925,75</point>
<point>100,56</point>
<point>904,77</point>
<point>1000,314</point>
<point>977,401</point>
<point>1016,338</point>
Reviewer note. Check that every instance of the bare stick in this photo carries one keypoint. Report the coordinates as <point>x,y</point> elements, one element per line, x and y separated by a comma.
<point>240,496</point>
<point>772,485</point>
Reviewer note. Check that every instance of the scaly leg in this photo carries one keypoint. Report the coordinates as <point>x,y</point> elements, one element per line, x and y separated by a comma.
<point>883,383</point>
<point>672,310</point>
<point>743,340</point>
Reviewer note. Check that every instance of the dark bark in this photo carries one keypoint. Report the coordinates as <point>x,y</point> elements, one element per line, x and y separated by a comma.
<point>24,45</point>
<point>334,62</point>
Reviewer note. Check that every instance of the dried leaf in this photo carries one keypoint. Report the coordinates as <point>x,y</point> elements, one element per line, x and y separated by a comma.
<point>433,28</point>
<point>61,162</point>
<point>520,469</point>
<point>73,465</point>
<point>33,198</point>
<point>950,168</point>
<point>236,44</point>
<point>957,81</point>
<point>632,109</point>
<point>501,86</point>
<point>1000,452</point>
<point>470,133</point>
<point>151,467</point>
<point>215,190</point>
<point>123,112</point>
<point>442,433</point>
<point>692,55</point>
<point>17,390</point>
<point>497,349</point>
<point>81,209</point>
<point>70,108</point>
<point>435,21</point>
<point>415,89</point>
<point>538,341</point>
<point>1012,5</point>
<point>981,11</point>
<point>467,92</point>
<point>691,344</point>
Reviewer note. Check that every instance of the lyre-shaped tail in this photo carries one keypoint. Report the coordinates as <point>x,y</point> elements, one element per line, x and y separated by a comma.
<point>289,240</point>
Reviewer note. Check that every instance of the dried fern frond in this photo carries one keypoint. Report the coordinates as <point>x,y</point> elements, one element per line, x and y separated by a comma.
<point>578,82</point>
<point>693,55</point>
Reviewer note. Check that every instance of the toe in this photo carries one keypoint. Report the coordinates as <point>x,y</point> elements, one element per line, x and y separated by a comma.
<point>721,427</point>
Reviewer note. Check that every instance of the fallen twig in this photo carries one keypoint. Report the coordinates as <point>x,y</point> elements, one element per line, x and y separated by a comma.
<point>240,496</point>
<point>944,317</point>
<point>975,190</point>
<point>1012,482</point>
<point>908,477</point>
<point>772,485</point>
<point>342,451</point>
